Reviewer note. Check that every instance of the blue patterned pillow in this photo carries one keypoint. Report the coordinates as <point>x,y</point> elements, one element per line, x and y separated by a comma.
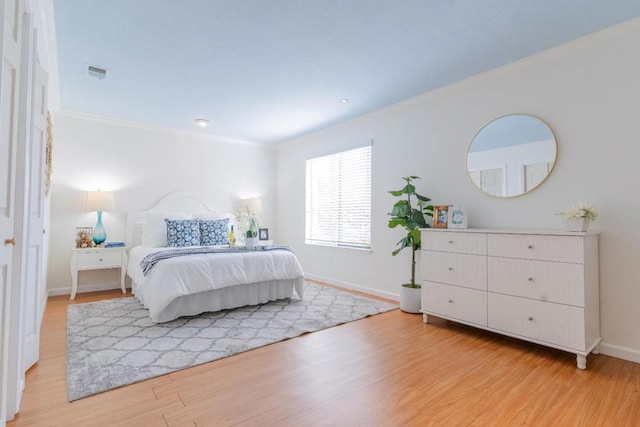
<point>214,232</point>
<point>182,232</point>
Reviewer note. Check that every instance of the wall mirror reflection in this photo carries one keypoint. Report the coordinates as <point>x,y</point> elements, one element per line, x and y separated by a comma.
<point>511,155</point>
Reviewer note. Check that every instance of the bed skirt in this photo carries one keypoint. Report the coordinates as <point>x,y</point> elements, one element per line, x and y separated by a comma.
<point>231,297</point>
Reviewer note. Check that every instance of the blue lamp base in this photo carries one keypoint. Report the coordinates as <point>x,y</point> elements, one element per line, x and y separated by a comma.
<point>99,234</point>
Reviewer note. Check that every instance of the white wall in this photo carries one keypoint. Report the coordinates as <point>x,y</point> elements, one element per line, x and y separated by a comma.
<point>587,91</point>
<point>141,165</point>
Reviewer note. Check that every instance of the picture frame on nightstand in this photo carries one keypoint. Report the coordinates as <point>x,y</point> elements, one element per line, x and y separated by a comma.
<point>84,237</point>
<point>263,234</point>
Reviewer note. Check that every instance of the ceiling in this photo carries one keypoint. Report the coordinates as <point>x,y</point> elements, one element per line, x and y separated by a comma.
<point>271,70</point>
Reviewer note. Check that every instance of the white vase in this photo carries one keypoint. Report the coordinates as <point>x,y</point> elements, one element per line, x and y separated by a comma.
<point>410,299</point>
<point>251,242</point>
<point>576,224</point>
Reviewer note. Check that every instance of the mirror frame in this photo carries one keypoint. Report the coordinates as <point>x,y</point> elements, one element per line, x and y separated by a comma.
<point>553,164</point>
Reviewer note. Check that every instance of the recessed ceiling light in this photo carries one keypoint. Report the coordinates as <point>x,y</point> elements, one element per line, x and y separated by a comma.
<point>344,100</point>
<point>97,72</point>
<point>202,122</point>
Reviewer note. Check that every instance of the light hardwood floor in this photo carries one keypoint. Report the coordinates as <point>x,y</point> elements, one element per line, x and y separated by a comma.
<point>386,370</point>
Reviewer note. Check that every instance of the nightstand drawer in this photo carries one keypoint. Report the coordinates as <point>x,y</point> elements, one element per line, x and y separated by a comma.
<point>97,260</point>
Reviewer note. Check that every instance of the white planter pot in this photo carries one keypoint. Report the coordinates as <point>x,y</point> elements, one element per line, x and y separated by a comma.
<point>410,299</point>
<point>251,242</point>
<point>576,224</point>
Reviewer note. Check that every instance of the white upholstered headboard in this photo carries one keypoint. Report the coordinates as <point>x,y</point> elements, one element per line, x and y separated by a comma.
<point>172,202</point>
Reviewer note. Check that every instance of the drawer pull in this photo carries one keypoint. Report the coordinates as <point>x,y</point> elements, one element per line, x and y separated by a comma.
<point>450,268</point>
<point>530,319</point>
<point>450,301</point>
<point>530,279</point>
<point>451,242</point>
<point>530,247</point>
<point>100,259</point>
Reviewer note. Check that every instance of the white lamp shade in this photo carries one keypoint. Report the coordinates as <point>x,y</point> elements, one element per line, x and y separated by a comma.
<point>254,205</point>
<point>99,201</point>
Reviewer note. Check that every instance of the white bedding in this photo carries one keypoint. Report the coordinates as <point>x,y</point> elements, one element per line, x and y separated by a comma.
<point>183,276</point>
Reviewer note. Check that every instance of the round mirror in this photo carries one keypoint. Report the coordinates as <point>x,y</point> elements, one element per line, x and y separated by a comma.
<point>511,155</point>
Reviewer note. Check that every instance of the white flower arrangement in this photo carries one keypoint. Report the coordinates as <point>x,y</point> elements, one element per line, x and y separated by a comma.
<point>581,210</point>
<point>247,223</point>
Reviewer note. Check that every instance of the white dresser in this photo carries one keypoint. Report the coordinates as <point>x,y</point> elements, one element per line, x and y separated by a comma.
<point>540,286</point>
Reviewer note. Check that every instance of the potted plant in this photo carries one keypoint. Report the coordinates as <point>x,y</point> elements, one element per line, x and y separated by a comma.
<point>409,213</point>
<point>251,235</point>
<point>577,217</point>
<point>247,226</point>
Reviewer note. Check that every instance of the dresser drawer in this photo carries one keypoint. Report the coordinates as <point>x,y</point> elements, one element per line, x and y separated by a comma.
<point>468,305</point>
<point>453,241</point>
<point>557,324</point>
<point>538,247</point>
<point>97,260</point>
<point>465,270</point>
<point>542,280</point>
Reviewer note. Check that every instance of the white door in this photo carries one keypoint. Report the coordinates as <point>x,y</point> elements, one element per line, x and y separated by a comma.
<point>493,181</point>
<point>34,292</point>
<point>535,174</point>
<point>10,33</point>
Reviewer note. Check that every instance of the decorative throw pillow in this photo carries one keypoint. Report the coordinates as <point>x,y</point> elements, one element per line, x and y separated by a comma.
<point>182,232</point>
<point>214,232</point>
<point>154,229</point>
<point>215,216</point>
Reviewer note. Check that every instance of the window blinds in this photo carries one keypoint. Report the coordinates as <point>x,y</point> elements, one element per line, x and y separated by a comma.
<point>338,199</point>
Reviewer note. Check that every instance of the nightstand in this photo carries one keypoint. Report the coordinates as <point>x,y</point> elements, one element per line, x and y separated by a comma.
<point>97,259</point>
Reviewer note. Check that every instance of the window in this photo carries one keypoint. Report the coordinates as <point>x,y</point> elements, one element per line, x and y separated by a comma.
<point>338,202</point>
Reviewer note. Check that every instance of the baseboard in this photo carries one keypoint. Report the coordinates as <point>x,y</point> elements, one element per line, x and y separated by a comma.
<point>354,287</point>
<point>620,352</point>
<point>84,288</point>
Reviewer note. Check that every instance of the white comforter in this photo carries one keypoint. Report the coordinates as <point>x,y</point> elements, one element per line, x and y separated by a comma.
<point>185,275</point>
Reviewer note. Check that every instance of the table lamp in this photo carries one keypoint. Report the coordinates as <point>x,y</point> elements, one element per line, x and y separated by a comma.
<point>253,205</point>
<point>99,201</point>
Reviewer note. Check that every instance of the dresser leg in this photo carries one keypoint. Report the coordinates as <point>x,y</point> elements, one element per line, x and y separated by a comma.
<point>582,361</point>
<point>596,350</point>
<point>425,318</point>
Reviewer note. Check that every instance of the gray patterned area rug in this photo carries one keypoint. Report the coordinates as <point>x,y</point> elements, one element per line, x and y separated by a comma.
<point>112,343</point>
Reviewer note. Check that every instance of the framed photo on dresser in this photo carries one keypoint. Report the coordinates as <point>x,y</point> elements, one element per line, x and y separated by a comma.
<point>457,217</point>
<point>440,216</point>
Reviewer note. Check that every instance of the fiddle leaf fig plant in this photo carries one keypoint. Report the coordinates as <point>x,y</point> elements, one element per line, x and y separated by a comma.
<point>409,213</point>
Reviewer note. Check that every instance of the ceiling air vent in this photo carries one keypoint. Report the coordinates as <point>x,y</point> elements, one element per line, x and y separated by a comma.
<point>97,72</point>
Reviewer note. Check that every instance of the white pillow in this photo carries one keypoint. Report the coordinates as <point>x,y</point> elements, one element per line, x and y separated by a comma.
<point>154,230</point>
<point>216,215</point>
<point>212,216</point>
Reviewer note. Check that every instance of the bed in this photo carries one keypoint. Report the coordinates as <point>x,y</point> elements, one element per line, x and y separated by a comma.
<point>196,279</point>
